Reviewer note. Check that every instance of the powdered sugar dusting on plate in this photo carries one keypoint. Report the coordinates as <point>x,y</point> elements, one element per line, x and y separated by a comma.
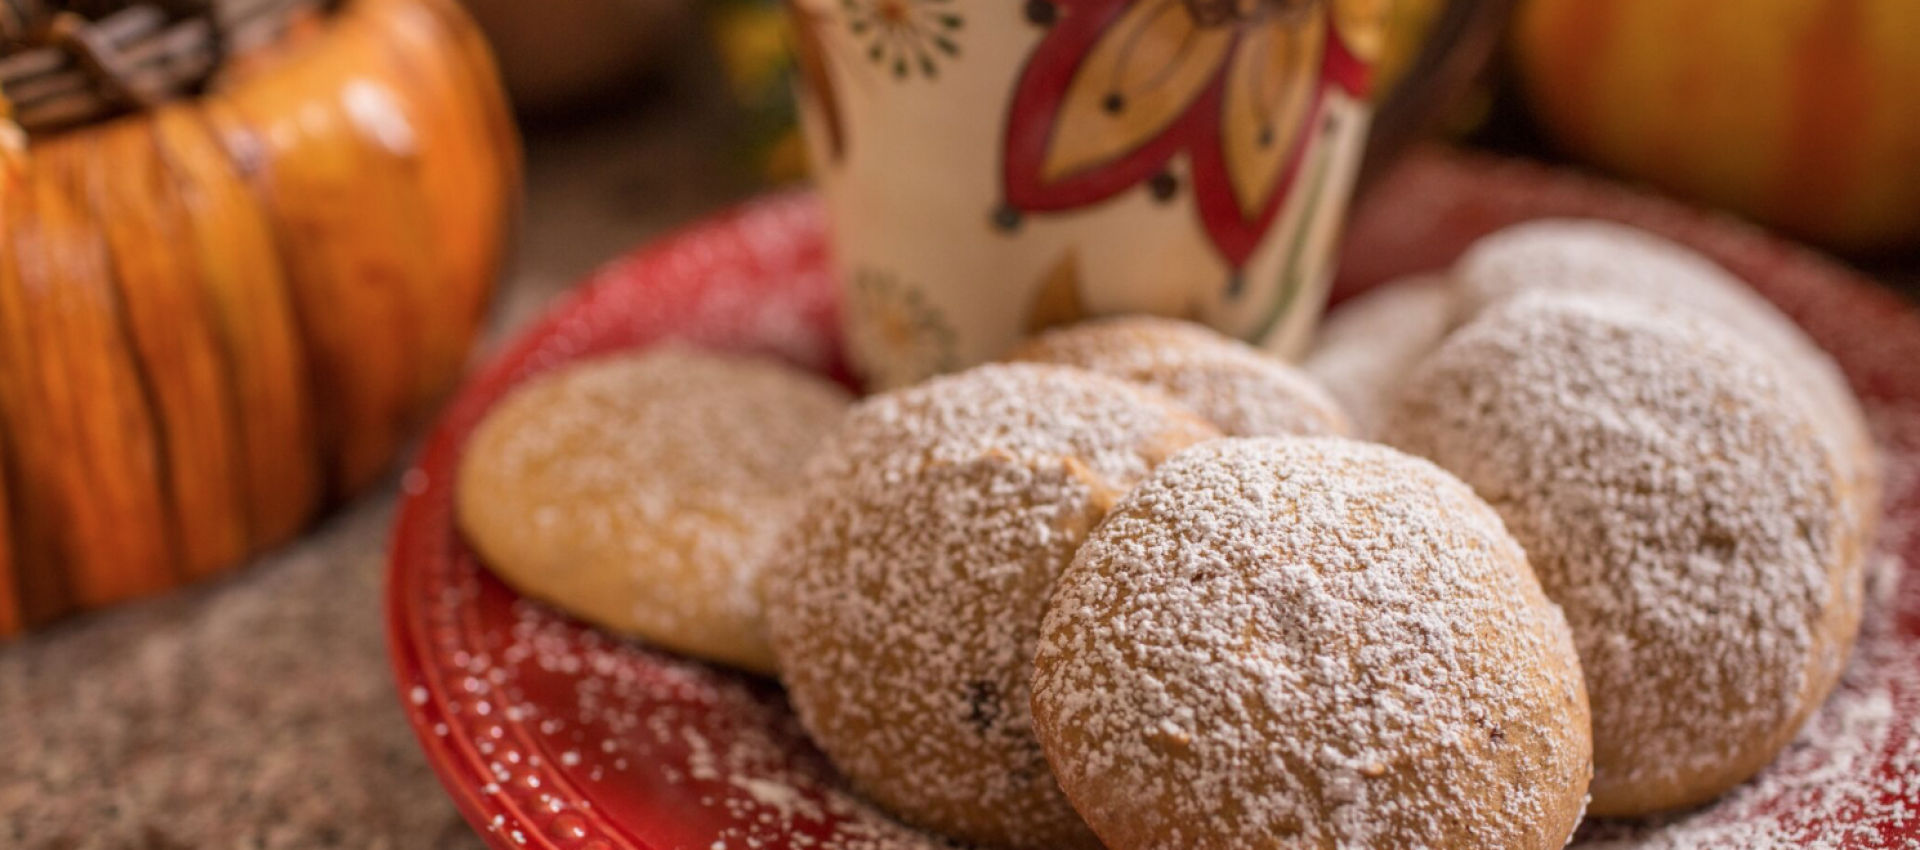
<point>638,718</point>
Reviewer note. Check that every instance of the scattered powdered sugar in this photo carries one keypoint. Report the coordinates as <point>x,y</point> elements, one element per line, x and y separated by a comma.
<point>1677,501</point>
<point>720,757</point>
<point>1240,389</point>
<point>1366,347</point>
<point>905,608</point>
<point>1315,643</point>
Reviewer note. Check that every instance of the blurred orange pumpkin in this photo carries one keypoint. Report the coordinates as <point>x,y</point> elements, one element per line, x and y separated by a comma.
<point>220,314</point>
<point>1803,114</point>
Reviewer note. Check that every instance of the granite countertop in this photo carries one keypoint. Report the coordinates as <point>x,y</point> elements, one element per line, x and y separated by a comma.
<point>258,712</point>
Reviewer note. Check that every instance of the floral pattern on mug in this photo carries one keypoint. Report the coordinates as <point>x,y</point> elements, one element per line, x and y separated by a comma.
<point>904,335</point>
<point>905,36</point>
<point>1117,88</point>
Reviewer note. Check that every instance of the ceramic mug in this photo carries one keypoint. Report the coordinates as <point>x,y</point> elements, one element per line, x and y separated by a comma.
<point>992,168</point>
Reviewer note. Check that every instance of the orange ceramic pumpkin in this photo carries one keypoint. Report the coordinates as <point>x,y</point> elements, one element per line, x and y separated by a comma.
<point>1804,114</point>
<point>219,315</point>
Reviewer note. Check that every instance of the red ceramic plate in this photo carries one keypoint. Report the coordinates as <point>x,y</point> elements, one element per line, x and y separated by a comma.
<point>549,734</point>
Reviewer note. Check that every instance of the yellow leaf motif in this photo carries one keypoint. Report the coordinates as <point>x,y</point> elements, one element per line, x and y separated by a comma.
<point>1270,84</point>
<point>1136,82</point>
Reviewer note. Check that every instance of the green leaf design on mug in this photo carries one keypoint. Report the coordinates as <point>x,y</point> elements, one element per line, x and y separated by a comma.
<point>1291,278</point>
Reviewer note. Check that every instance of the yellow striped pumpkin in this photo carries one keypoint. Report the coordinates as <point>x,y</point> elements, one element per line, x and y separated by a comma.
<point>1803,114</point>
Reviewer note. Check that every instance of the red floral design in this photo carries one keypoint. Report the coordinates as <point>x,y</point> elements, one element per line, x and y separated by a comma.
<point>1117,88</point>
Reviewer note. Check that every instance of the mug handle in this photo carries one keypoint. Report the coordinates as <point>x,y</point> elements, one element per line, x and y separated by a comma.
<point>1456,49</point>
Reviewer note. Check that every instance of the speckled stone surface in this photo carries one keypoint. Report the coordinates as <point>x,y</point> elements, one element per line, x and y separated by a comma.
<point>258,713</point>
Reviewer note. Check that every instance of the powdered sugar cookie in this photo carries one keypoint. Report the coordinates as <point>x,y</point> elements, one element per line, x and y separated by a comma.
<point>905,608</point>
<point>1678,500</point>
<point>1370,343</point>
<point>1310,643</point>
<point>1238,388</point>
<point>1590,255</point>
<point>644,492</point>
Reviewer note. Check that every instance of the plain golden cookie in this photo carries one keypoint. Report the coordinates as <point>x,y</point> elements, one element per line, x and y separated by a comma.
<point>1369,344</point>
<point>906,604</point>
<point>1679,502</point>
<point>1241,390</point>
<point>1283,643</point>
<point>645,492</point>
